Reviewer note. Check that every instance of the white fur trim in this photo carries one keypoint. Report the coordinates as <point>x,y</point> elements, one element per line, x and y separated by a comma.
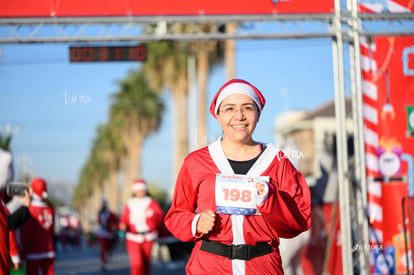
<point>237,88</point>
<point>219,158</point>
<point>6,169</point>
<point>265,159</point>
<point>194,224</point>
<point>140,238</point>
<point>138,187</point>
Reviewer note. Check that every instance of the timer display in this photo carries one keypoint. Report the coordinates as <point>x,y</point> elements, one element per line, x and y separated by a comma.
<point>107,53</point>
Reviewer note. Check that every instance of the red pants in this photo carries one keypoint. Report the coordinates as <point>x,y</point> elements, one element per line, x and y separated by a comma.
<point>106,245</point>
<point>139,257</point>
<point>33,267</point>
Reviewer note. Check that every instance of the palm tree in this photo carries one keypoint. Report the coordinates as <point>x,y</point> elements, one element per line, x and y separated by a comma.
<point>166,67</point>
<point>112,151</point>
<point>137,110</point>
<point>208,54</point>
<point>5,140</point>
<point>91,183</point>
<point>230,51</point>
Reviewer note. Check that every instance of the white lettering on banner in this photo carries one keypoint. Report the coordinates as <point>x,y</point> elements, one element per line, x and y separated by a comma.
<point>407,52</point>
<point>235,194</point>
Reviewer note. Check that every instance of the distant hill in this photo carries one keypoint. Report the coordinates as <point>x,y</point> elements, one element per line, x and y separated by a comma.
<point>61,190</point>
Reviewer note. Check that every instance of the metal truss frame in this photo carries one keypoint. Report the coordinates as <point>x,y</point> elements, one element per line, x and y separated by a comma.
<point>130,29</point>
<point>344,27</point>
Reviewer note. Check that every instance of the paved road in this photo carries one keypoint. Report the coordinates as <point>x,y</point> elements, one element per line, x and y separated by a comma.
<point>85,260</point>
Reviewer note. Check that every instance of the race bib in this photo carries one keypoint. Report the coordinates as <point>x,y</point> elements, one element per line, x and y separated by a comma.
<point>235,194</point>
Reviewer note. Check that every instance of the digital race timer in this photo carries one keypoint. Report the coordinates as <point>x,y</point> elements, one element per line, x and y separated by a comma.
<point>107,53</point>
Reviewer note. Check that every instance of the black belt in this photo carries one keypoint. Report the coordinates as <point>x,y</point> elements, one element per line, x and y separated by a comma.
<point>236,251</point>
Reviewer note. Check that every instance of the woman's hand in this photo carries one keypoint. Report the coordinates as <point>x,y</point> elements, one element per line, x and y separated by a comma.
<point>122,227</point>
<point>27,198</point>
<point>206,222</point>
<point>15,266</point>
<point>261,188</point>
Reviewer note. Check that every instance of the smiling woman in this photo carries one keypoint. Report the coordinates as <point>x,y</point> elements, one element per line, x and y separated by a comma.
<point>227,193</point>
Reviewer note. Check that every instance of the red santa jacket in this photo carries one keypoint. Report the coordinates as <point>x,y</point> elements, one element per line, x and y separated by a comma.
<point>142,216</point>
<point>38,232</point>
<point>12,240</point>
<point>284,213</point>
<point>107,224</point>
<point>5,243</point>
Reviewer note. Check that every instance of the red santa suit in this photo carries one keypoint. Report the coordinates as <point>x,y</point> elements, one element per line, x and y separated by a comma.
<point>5,243</point>
<point>14,248</point>
<point>142,217</point>
<point>107,228</point>
<point>75,225</point>
<point>38,232</point>
<point>9,236</point>
<point>6,172</point>
<point>284,212</point>
<point>11,240</point>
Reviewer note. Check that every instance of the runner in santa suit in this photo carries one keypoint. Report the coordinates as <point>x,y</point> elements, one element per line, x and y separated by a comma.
<point>140,219</point>
<point>5,177</point>
<point>13,222</point>
<point>9,250</point>
<point>106,232</point>
<point>38,232</point>
<point>236,197</point>
<point>5,243</point>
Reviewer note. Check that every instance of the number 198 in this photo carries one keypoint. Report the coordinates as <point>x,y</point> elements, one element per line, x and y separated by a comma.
<point>235,195</point>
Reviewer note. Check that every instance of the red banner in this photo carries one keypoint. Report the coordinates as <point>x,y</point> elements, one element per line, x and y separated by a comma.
<point>65,8</point>
<point>395,82</point>
<point>388,98</point>
<point>386,6</point>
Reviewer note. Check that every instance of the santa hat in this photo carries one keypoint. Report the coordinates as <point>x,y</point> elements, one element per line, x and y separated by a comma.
<point>139,185</point>
<point>39,188</point>
<point>6,168</point>
<point>237,86</point>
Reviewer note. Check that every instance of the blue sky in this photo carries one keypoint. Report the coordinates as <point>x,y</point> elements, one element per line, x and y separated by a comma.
<point>54,131</point>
